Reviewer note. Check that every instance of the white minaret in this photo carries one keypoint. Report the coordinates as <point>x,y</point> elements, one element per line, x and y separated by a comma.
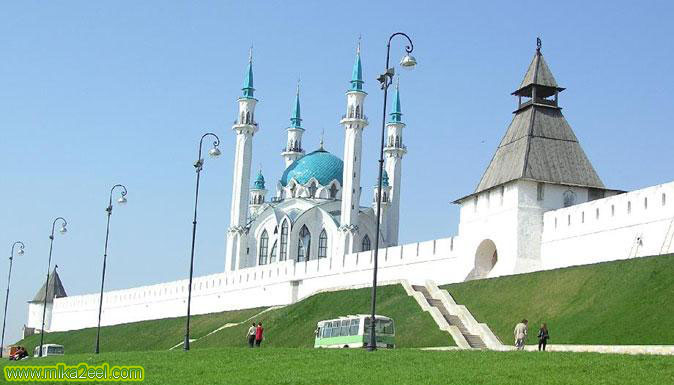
<point>257,193</point>
<point>294,148</point>
<point>244,127</point>
<point>354,122</point>
<point>385,203</point>
<point>393,156</point>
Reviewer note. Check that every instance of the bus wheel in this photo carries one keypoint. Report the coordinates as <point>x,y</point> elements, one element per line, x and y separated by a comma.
<point>346,346</point>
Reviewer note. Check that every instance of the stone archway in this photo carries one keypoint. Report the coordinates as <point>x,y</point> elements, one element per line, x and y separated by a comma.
<point>486,257</point>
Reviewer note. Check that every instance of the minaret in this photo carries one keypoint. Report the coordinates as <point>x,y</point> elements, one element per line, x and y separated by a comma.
<point>393,157</point>
<point>354,121</point>
<point>385,204</point>
<point>257,193</point>
<point>244,127</point>
<point>294,148</point>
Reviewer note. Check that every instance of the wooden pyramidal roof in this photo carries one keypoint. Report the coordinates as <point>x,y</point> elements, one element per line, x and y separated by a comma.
<point>55,289</point>
<point>539,143</point>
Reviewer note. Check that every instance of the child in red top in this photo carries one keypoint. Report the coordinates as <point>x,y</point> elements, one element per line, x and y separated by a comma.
<point>258,334</point>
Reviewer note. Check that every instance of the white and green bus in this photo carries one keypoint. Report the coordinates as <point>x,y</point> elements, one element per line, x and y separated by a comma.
<point>353,331</point>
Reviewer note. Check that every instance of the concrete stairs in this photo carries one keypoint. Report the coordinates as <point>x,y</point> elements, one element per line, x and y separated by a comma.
<point>455,319</point>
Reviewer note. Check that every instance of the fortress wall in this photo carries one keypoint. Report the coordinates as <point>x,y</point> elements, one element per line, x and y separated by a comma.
<point>629,225</point>
<point>279,283</point>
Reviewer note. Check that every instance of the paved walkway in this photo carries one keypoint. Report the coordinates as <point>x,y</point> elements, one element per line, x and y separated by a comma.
<point>666,350</point>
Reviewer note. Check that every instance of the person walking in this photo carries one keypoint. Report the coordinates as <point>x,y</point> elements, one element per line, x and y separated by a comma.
<point>251,335</point>
<point>258,334</point>
<point>520,333</point>
<point>543,336</point>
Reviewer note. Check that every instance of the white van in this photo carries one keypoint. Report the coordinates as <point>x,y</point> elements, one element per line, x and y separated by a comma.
<point>49,350</point>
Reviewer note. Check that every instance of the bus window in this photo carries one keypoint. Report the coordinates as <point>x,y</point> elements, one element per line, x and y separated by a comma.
<point>345,327</point>
<point>335,329</point>
<point>353,329</point>
<point>326,329</point>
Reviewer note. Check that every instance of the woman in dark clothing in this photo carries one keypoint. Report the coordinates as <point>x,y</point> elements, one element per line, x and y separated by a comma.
<point>543,336</point>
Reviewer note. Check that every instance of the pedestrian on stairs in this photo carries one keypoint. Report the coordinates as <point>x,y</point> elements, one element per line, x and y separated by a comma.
<point>251,335</point>
<point>543,336</point>
<point>520,333</point>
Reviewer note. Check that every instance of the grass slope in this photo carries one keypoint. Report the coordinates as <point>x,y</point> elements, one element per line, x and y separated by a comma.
<point>290,326</point>
<point>138,336</point>
<point>293,326</point>
<point>401,366</point>
<point>622,302</point>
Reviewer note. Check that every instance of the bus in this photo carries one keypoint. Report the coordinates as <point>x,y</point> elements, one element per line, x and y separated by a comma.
<point>353,331</point>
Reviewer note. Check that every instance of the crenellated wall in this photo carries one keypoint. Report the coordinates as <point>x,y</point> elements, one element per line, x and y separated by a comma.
<point>274,284</point>
<point>628,225</point>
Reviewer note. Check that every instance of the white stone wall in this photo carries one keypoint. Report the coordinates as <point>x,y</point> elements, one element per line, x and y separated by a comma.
<point>629,225</point>
<point>274,284</point>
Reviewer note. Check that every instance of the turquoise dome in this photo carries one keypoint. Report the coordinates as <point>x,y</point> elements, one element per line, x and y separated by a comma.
<point>319,164</point>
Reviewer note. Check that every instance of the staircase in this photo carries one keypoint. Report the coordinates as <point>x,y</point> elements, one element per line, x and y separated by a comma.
<point>669,237</point>
<point>474,341</point>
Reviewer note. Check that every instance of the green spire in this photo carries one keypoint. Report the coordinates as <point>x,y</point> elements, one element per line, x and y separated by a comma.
<point>295,120</point>
<point>396,113</point>
<point>248,81</point>
<point>357,74</point>
<point>259,181</point>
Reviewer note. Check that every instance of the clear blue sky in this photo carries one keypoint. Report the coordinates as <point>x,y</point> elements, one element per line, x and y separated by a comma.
<point>97,93</point>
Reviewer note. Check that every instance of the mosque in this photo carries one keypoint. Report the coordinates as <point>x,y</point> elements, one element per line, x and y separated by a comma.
<point>315,212</point>
<point>539,205</point>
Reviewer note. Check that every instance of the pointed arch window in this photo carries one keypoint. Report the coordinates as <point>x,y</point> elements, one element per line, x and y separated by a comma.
<point>264,245</point>
<point>323,244</point>
<point>357,111</point>
<point>304,245</point>
<point>365,245</point>
<point>312,189</point>
<point>272,256</point>
<point>333,191</point>
<point>247,117</point>
<point>283,255</point>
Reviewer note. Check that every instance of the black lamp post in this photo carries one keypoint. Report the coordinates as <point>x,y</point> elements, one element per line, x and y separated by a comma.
<point>198,165</point>
<point>4,318</point>
<point>385,79</point>
<point>62,230</point>
<point>121,201</point>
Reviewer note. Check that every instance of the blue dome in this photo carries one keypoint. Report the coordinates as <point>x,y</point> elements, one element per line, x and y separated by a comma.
<point>319,164</point>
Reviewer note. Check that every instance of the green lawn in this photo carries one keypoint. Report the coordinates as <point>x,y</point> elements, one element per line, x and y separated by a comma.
<point>618,303</point>
<point>401,366</point>
<point>291,326</point>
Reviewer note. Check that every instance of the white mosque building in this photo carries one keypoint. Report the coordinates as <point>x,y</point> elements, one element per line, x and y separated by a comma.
<point>539,205</point>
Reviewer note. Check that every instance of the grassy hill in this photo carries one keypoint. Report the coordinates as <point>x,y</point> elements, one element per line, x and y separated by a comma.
<point>402,366</point>
<point>622,302</point>
<point>291,326</point>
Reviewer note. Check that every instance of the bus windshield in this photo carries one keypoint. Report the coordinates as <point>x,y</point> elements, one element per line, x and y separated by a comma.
<point>382,326</point>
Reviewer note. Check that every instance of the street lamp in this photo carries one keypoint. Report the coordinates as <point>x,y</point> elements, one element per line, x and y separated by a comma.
<point>121,201</point>
<point>62,230</point>
<point>4,318</point>
<point>385,79</point>
<point>198,165</point>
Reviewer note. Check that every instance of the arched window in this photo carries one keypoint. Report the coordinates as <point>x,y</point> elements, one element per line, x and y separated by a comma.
<point>243,117</point>
<point>323,244</point>
<point>357,111</point>
<point>247,117</point>
<point>292,191</point>
<point>333,191</point>
<point>312,189</point>
<point>365,246</point>
<point>304,245</point>
<point>264,244</point>
<point>272,256</point>
<point>284,241</point>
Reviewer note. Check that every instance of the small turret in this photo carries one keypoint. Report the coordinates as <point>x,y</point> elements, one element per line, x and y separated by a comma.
<point>293,149</point>
<point>257,193</point>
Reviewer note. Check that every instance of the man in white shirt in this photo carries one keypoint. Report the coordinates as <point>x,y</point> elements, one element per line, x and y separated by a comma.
<point>520,334</point>
<point>251,335</point>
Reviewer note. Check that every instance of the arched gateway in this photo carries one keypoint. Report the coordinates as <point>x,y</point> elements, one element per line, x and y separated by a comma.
<point>486,257</point>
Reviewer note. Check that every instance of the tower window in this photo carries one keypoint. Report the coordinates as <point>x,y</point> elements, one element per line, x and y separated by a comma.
<point>304,245</point>
<point>323,244</point>
<point>284,241</point>
<point>312,190</point>
<point>333,191</point>
<point>597,213</point>
<point>540,191</point>
<point>569,198</point>
<point>629,207</point>
<point>664,199</point>
<point>365,245</point>
<point>645,203</point>
<point>612,210</point>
